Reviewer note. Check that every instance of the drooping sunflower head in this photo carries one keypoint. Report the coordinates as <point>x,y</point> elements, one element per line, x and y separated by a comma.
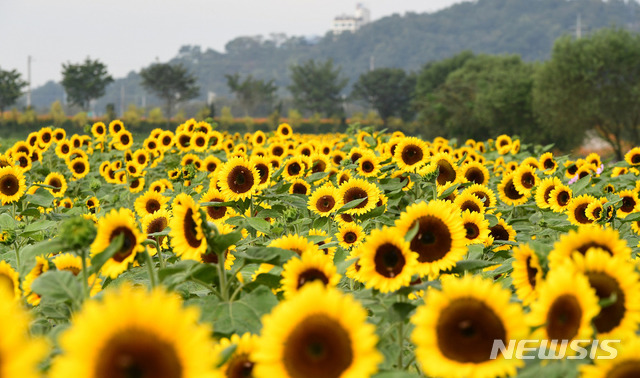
<point>508,192</point>
<point>527,273</point>
<point>133,332</point>
<point>476,227</point>
<point>318,333</point>
<point>577,209</point>
<point>440,238</point>
<point>238,179</point>
<point>447,169</point>
<point>309,267</point>
<point>12,184</point>
<point>116,223</point>
<point>457,327</point>
<point>187,235</point>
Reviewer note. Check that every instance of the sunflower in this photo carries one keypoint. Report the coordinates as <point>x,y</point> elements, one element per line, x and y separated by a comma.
<point>123,140</point>
<point>118,222</point>
<point>132,332</point>
<point>440,241</point>
<point>547,163</point>
<point>576,210</point>
<point>72,263</point>
<point>565,307</point>
<point>156,222</point>
<point>457,327</point>
<point>328,251</point>
<point>240,363</point>
<point>294,168</point>
<point>630,203</point>
<point>299,186</point>
<point>350,235</point>
<point>309,267</point>
<point>211,164</point>
<point>324,201</point>
<point>527,273</point>
<point>9,280</point>
<point>612,276</point>
<point>93,204</point>
<point>320,163</point>
<point>475,172</point>
<point>559,198</point>
<point>503,144</point>
<point>355,189</point>
<point>543,191</point>
<point>42,265</point>
<point>149,203</point>
<point>508,192</point>
<point>469,201</point>
<point>476,227</point>
<point>59,134</point>
<point>447,169</point>
<point>368,165</point>
<point>284,131</point>
<point>501,231</point>
<point>625,364</point>
<point>79,168</point>
<point>318,333</point>
<point>410,154</point>
<point>386,261</point>
<point>486,195</point>
<point>525,178</point>
<point>238,179</point>
<point>216,213</point>
<point>12,184</point>
<point>136,185</point>
<point>337,156</point>
<point>187,236</point>
<point>633,156</point>
<point>99,130</point>
<point>22,160</point>
<point>295,243</point>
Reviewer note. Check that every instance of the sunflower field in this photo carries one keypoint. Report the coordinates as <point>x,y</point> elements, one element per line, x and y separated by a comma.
<point>198,253</point>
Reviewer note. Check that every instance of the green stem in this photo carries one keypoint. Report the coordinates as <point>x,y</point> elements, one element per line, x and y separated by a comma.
<point>152,275</point>
<point>236,292</point>
<point>85,276</point>
<point>223,276</point>
<point>159,253</point>
<point>206,285</point>
<point>400,343</point>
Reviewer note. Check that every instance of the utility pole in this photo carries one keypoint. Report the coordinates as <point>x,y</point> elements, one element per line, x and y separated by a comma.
<point>579,27</point>
<point>372,63</point>
<point>29,81</point>
<point>122,101</point>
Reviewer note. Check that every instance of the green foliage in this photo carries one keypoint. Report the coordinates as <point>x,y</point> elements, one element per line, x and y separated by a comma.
<point>316,87</point>
<point>388,90</point>
<point>155,115</point>
<point>295,118</point>
<point>252,92</point>
<point>10,88</point>
<point>226,118</point>
<point>84,82</point>
<point>80,119</point>
<point>170,82</point>
<point>132,115</point>
<point>593,83</point>
<point>203,113</point>
<point>29,116</point>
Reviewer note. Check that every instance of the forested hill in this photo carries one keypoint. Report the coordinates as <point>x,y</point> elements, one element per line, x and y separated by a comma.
<point>524,27</point>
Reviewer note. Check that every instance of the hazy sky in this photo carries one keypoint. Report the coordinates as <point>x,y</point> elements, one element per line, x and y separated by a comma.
<point>128,35</point>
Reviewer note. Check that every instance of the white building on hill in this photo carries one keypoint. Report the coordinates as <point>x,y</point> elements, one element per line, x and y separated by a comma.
<point>351,22</point>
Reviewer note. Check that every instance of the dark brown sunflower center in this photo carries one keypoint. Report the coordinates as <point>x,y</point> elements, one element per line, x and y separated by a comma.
<point>157,225</point>
<point>466,331</point>
<point>628,204</point>
<point>367,166</point>
<point>528,180</point>
<point>9,184</point>
<point>299,188</point>
<point>412,154</point>
<point>472,230</point>
<point>585,247</point>
<point>547,193</point>
<point>350,237</point>
<point>548,164</point>
<point>46,137</point>
<point>99,130</point>
<point>310,275</point>
<point>318,347</point>
<point>446,172</point>
<point>124,139</point>
<point>605,286</point>
<point>531,273</point>
<point>498,232</point>
<point>564,318</point>
<point>483,197</point>
<point>337,159</point>
<point>79,167</point>
<point>319,166</point>
<point>572,169</point>
<point>635,159</point>
<point>433,239</point>
<point>625,369</point>
<point>294,169</point>
<point>263,172</point>
<point>128,244</point>
<point>135,183</point>
<point>152,206</point>
<point>134,353</point>
<point>24,161</point>
<point>355,157</point>
<point>346,217</point>
<point>471,206</point>
<point>389,260</point>
<point>474,175</point>
<point>355,193</point>
<point>563,198</point>
<point>190,230</point>
<point>240,366</point>
<point>184,140</point>
<point>64,149</point>
<point>216,212</point>
<point>142,159</point>
<point>325,203</point>
<point>200,141</point>
<point>511,192</point>
<point>240,179</point>
<point>580,214</point>
<point>277,151</point>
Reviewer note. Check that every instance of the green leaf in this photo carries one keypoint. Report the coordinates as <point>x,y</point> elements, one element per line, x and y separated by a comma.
<point>317,176</point>
<point>6,222</point>
<point>413,231</point>
<point>633,217</point>
<point>448,191</point>
<point>259,224</point>
<point>351,204</point>
<point>58,286</point>
<point>38,226</point>
<point>267,279</point>
<point>101,258</point>
<point>400,311</point>
<point>41,197</point>
<point>244,314</point>
<point>221,243</point>
<point>580,185</point>
<point>375,213</point>
<point>396,374</point>
<point>217,204</point>
<point>268,255</point>
<point>470,265</point>
<point>42,248</point>
<point>226,354</point>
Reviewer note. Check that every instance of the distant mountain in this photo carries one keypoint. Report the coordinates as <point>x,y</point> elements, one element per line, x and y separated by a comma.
<point>524,27</point>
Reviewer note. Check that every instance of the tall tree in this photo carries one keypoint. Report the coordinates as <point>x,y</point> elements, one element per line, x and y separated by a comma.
<point>170,82</point>
<point>388,90</point>
<point>316,87</point>
<point>252,92</point>
<point>10,88</point>
<point>84,82</point>
<point>593,83</point>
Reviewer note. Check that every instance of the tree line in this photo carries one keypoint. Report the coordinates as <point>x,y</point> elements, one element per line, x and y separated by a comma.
<point>588,84</point>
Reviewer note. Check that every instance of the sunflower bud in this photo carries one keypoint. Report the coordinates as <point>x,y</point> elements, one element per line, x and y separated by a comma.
<point>77,232</point>
<point>95,185</point>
